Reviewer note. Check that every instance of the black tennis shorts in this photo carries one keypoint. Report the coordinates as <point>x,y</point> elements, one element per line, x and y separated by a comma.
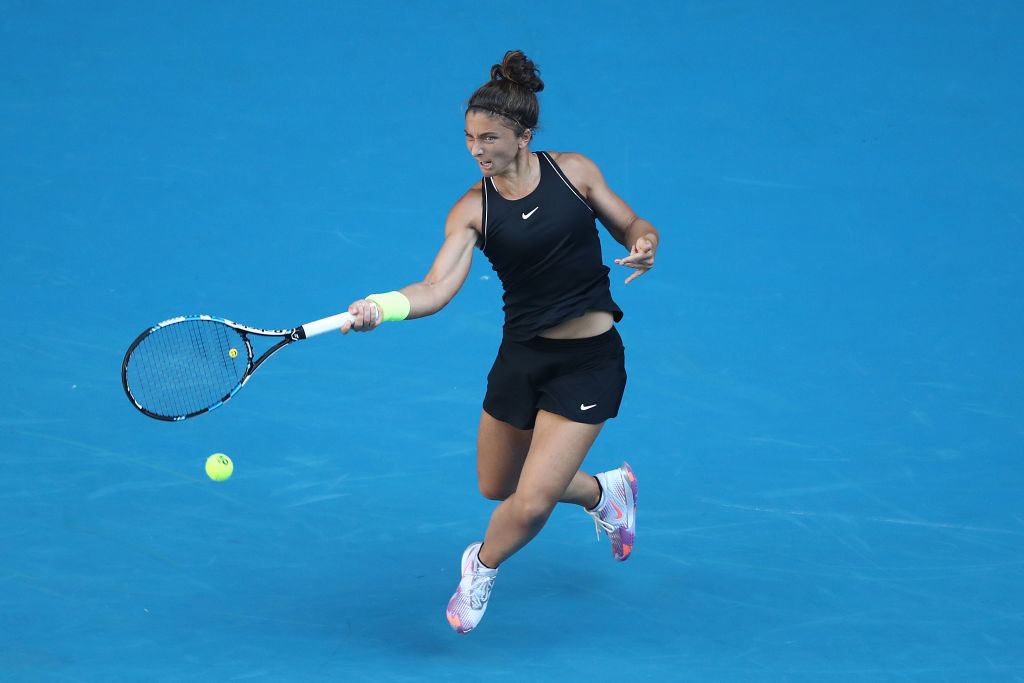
<point>581,379</point>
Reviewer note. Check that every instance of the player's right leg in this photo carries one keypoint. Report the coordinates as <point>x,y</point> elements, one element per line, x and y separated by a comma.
<point>551,464</point>
<point>500,453</point>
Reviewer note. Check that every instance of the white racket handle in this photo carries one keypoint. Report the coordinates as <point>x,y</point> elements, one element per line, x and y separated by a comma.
<point>328,324</point>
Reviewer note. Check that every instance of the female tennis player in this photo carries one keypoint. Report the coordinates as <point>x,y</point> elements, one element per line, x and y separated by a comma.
<point>559,373</point>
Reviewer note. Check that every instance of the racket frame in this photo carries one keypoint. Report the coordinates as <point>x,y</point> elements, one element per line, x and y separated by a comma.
<point>294,334</point>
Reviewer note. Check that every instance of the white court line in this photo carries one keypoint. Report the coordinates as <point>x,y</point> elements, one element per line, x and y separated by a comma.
<point>884,520</point>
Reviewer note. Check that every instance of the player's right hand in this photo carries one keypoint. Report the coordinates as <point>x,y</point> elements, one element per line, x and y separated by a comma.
<point>366,314</point>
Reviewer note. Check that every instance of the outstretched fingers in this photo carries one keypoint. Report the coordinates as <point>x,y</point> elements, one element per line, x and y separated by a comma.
<point>641,258</point>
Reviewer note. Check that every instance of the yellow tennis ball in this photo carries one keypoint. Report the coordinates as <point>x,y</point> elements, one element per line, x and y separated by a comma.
<point>219,467</point>
<point>233,353</point>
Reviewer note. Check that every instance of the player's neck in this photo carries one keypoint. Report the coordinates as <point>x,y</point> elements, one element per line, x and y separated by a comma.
<point>522,178</point>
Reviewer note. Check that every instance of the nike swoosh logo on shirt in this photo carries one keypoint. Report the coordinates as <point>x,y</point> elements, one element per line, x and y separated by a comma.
<point>583,407</point>
<point>527,215</point>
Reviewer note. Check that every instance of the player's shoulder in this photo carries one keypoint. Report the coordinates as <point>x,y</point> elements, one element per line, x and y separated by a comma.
<point>472,197</point>
<point>573,160</point>
<point>581,171</point>
<point>466,210</point>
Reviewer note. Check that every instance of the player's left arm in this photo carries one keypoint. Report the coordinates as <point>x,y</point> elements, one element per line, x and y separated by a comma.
<point>622,223</point>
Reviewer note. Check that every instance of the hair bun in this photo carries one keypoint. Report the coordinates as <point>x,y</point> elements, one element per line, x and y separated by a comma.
<point>519,69</point>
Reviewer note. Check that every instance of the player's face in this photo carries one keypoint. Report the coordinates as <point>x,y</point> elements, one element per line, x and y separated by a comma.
<point>492,143</point>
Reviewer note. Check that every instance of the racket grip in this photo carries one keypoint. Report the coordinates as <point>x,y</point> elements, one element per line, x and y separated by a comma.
<point>328,324</point>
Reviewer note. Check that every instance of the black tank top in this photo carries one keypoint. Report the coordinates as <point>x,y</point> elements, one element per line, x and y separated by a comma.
<point>547,253</point>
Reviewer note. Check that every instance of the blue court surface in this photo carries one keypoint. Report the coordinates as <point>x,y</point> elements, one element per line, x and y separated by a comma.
<point>825,408</point>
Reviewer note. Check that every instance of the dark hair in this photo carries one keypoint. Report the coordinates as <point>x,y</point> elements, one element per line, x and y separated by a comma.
<point>512,92</point>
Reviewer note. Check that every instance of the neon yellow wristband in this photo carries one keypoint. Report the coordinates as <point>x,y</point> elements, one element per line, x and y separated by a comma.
<point>393,305</point>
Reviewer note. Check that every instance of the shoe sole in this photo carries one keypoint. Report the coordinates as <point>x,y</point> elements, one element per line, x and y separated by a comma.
<point>634,490</point>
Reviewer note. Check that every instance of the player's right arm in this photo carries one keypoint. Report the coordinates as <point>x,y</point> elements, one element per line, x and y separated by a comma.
<point>447,274</point>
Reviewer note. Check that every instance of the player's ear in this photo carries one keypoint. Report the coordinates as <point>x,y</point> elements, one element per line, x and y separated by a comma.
<point>525,138</point>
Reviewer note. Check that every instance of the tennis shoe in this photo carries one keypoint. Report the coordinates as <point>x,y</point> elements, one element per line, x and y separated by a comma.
<point>616,513</point>
<point>467,606</point>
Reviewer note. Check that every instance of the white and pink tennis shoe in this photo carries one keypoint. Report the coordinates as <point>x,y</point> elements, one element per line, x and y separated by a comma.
<point>467,606</point>
<point>616,513</point>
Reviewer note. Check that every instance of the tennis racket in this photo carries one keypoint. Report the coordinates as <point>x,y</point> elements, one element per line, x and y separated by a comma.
<point>189,365</point>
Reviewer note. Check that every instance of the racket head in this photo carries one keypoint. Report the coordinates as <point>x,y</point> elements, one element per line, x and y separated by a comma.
<point>186,366</point>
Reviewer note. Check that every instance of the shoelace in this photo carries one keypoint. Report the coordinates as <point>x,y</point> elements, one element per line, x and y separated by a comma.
<point>601,524</point>
<point>480,588</point>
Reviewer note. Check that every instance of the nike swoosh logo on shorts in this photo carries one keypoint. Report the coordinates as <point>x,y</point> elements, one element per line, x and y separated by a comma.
<point>583,407</point>
<point>527,215</point>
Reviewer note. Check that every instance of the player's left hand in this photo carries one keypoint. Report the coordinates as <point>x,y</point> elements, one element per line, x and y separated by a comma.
<point>641,257</point>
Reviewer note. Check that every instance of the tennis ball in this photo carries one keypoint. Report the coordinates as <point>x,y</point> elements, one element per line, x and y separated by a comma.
<point>219,467</point>
<point>233,353</point>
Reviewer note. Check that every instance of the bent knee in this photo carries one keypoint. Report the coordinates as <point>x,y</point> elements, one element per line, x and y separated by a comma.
<point>495,490</point>
<point>533,510</point>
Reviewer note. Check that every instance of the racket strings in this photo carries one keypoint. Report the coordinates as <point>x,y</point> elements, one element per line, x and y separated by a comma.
<point>186,367</point>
